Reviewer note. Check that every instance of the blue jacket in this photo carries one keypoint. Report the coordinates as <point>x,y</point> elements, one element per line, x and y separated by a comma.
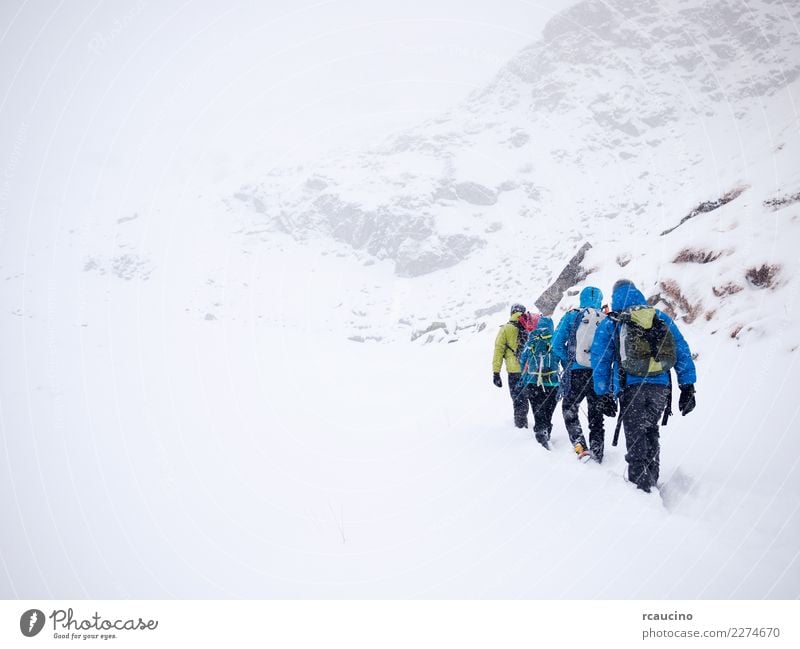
<point>604,354</point>
<point>535,370</point>
<point>590,297</point>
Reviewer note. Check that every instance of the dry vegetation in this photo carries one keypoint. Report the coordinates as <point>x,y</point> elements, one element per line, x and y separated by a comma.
<point>726,289</point>
<point>764,276</point>
<point>694,256</point>
<point>676,300</point>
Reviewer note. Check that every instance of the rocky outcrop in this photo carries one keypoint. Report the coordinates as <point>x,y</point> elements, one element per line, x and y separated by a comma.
<point>569,276</point>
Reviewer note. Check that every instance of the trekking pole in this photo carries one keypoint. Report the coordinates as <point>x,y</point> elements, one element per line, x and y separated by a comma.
<point>616,430</point>
<point>668,408</point>
<point>619,421</point>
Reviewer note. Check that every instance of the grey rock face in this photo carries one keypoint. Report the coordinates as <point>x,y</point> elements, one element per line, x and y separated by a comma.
<point>570,275</point>
<point>475,193</point>
<point>415,257</point>
<point>620,74</point>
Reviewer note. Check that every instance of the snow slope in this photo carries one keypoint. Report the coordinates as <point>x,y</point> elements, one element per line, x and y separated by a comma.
<point>619,121</point>
<point>231,458</point>
<point>231,395</point>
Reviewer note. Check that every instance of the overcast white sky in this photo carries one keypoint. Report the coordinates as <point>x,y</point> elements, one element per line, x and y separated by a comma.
<point>204,87</point>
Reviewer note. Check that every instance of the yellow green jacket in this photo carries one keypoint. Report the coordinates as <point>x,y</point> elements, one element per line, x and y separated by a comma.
<point>505,346</point>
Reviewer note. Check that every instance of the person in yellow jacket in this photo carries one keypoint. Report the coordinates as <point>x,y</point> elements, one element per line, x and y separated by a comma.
<point>511,339</point>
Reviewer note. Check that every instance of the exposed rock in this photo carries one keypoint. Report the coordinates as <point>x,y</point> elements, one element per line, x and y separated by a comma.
<point>445,192</point>
<point>128,266</point>
<point>415,257</point>
<point>783,201</point>
<point>475,193</point>
<point>623,260</point>
<point>126,219</point>
<point>519,138</point>
<point>316,184</point>
<point>258,205</point>
<point>472,326</point>
<point>489,310</point>
<point>363,339</point>
<point>91,264</point>
<point>572,273</point>
<point>708,206</point>
<point>429,329</point>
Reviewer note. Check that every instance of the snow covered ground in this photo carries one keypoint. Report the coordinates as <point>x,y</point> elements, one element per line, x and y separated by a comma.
<point>225,391</point>
<point>262,456</point>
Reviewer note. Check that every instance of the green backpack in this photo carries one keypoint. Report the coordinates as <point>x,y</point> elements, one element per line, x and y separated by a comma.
<point>646,345</point>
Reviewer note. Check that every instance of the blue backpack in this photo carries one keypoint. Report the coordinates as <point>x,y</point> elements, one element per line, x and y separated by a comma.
<point>541,364</point>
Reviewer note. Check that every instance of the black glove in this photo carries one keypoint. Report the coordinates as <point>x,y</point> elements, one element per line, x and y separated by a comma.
<point>497,380</point>
<point>608,405</point>
<point>686,403</point>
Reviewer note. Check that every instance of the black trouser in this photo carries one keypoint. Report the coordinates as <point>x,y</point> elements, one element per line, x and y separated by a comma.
<point>581,385</point>
<point>519,399</point>
<point>641,408</point>
<point>543,400</point>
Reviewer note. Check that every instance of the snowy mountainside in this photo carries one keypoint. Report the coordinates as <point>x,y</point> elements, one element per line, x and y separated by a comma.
<point>188,409</point>
<point>618,121</point>
<point>725,271</point>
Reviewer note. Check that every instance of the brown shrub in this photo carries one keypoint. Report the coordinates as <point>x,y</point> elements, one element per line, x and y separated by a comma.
<point>764,276</point>
<point>726,289</point>
<point>671,288</point>
<point>689,255</point>
<point>663,303</point>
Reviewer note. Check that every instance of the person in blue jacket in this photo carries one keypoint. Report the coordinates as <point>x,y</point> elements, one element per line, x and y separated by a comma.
<point>539,376</point>
<point>577,380</point>
<point>642,399</point>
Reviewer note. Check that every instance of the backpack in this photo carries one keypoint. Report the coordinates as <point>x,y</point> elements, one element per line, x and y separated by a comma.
<point>529,321</point>
<point>522,339</point>
<point>587,322</point>
<point>646,345</point>
<point>542,363</point>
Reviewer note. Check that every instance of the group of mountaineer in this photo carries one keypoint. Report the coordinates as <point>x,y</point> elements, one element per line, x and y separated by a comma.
<point>623,356</point>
